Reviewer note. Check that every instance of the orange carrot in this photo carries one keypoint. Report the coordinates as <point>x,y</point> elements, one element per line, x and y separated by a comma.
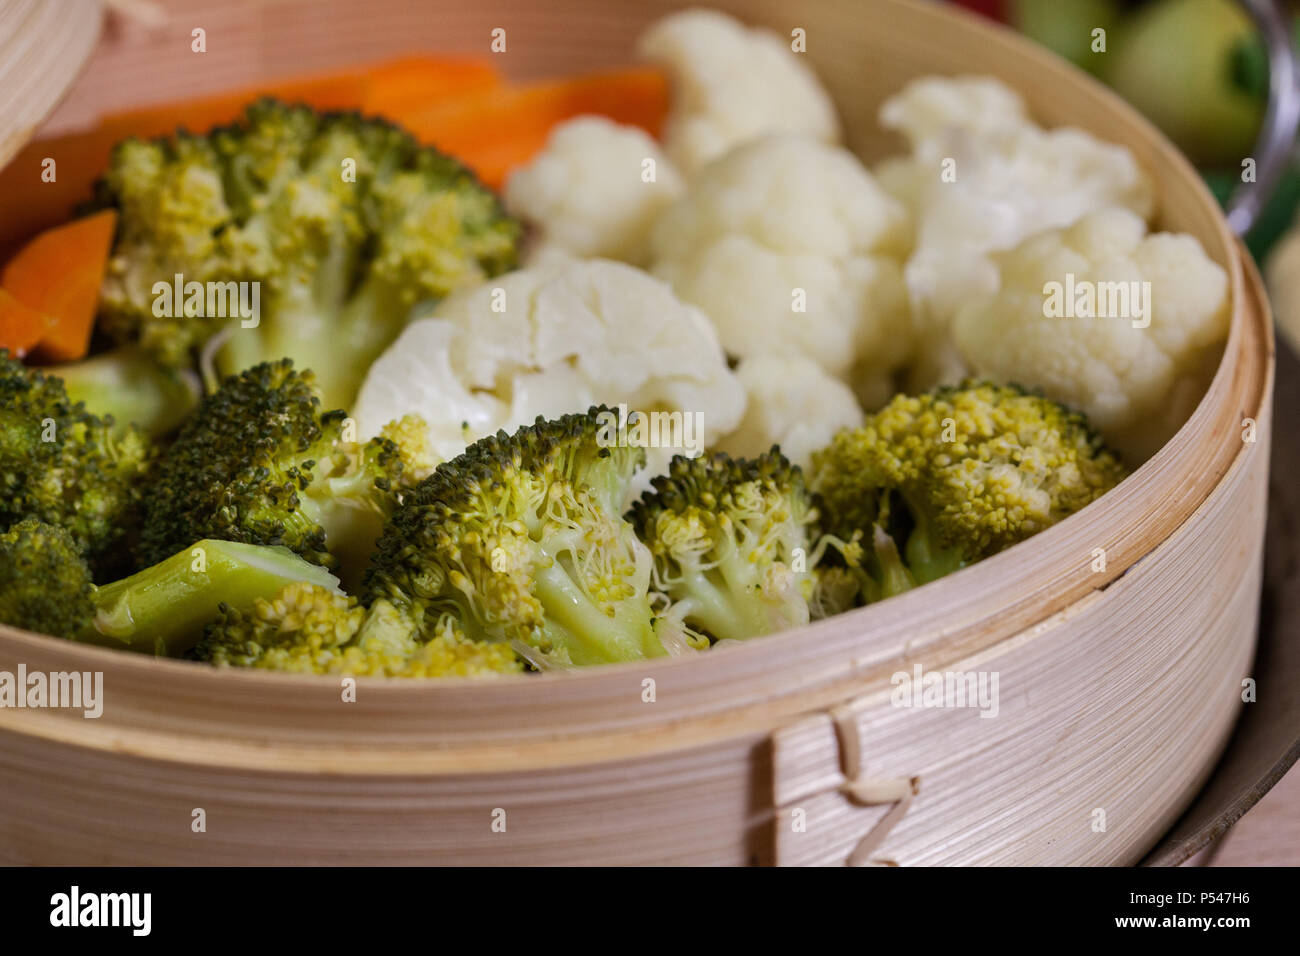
<point>30,201</point>
<point>494,130</point>
<point>59,273</point>
<point>21,326</point>
<point>413,83</point>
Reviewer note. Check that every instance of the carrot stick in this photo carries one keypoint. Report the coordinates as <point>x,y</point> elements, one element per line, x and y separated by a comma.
<point>413,83</point>
<point>31,201</point>
<point>59,273</point>
<point>21,326</point>
<point>494,130</point>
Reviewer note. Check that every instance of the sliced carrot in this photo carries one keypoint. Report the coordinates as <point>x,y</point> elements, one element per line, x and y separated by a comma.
<point>59,273</point>
<point>415,82</point>
<point>30,201</point>
<point>494,130</point>
<point>21,326</point>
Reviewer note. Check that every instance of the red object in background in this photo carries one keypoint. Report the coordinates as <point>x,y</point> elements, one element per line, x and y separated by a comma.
<point>995,9</point>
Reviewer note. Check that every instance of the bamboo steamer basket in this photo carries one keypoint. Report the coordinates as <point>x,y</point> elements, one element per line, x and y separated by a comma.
<point>1118,688</point>
<point>43,44</point>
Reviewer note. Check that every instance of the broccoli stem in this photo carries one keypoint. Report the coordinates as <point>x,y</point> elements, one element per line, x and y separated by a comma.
<point>894,576</point>
<point>162,609</point>
<point>128,384</point>
<point>927,558</point>
<point>337,340</point>
<point>589,634</point>
<point>730,610</point>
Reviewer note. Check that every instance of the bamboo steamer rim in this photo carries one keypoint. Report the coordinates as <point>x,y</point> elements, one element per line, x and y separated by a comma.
<point>190,712</point>
<point>43,46</point>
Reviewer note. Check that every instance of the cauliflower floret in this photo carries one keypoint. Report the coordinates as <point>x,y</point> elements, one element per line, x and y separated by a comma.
<point>980,179</point>
<point>588,192</point>
<point>1137,372</point>
<point>784,243</point>
<point>928,110</point>
<point>791,402</point>
<point>549,342</point>
<point>732,83</point>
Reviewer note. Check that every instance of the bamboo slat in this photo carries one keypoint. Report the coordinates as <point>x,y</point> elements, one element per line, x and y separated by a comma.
<point>43,44</point>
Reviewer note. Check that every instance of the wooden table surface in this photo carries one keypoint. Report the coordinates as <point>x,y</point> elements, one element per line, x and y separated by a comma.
<point>1269,835</point>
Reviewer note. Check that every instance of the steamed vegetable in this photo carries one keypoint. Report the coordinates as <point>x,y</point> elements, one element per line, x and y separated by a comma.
<point>45,586</point>
<point>934,482</point>
<point>339,224</point>
<point>595,190</point>
<point>496,130</point>
<point>733,83</point>
<point>60,464</point>
<point>545,341</point>
<point>59,273</point>
<point>791,402</point>
<point>522,539</point>
<point>311,629</point>
<point>1141,361</point>
<point>789,246</point>
<point>731,544</point>
<point>261,462</point>
<point>981,178</point>
<point>21,326</point>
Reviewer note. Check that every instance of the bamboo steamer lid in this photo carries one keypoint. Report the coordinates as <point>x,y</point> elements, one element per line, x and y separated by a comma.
<point>43,46</point>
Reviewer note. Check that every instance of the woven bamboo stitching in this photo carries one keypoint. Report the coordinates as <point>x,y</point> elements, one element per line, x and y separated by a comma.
<point>867,791</point>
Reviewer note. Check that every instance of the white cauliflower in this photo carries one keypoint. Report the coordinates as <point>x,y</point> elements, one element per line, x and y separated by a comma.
<point>1137,372</point>
<point>785,243</point>
<point>732,83</point>
<point>791,402</point>
<point>550,342</point>
<point>928,110</point>
<point>980,179</point>
<point>587,191</point>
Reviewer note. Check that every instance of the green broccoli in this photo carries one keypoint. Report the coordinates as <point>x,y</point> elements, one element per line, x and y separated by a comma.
<point>310,629</point>
<point>164,608</point>
<point>62,465</point>
<point>731,543</point>
<point>259,462</point>
<point>521,539</point>
<point>344,223</point>
<point>955,475</point>
<point>127,384</point>
<point>45,586</point>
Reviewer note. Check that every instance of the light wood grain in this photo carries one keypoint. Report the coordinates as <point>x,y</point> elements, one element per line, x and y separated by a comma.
<point>1269,835</point>
<point>43,45</point>
<point>1123,680</point>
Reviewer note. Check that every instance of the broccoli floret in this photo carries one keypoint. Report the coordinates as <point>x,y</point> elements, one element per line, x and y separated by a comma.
<point>521,539</point>
<point>344,222</point>
<point>129,385</point>
<point>730,539</point>
<point>163,609</point>
<point>64,466</point>
<point>259,462</point>
<point>410,434</point>
<point>310,629</point>
<point>955,475</point>
<point>45,584</point>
